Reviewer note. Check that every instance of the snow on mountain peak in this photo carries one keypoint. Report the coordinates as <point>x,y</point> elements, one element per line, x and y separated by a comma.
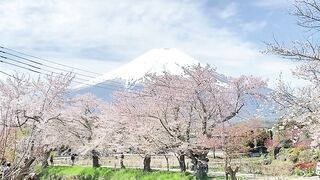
<point>154,61</point>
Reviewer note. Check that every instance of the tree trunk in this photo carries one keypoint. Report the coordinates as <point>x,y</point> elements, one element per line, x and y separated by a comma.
<point>199,165</point>
<point>276,151</point>
<point>226,166</point>
<point>194,163</point>
<point>95,159</point>
<point>232,172</point>
<point>146,163</point>
<point>46,156</point>
<point>167,161</point>
<point>121,162</point>
<point>182,162</point>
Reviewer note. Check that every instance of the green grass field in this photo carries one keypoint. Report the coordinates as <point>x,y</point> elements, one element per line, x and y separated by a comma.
<point>88,173</point>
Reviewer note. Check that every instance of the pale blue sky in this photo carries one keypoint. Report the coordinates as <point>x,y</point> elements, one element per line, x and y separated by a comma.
<point>103,34</point>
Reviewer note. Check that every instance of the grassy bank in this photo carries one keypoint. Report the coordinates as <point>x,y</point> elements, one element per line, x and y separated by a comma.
<point>88,173</point>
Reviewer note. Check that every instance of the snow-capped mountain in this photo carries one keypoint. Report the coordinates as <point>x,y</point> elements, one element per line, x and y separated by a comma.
<point>154,61</point>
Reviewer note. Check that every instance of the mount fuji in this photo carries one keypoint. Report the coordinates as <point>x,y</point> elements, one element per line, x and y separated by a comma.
<point>155,61</point>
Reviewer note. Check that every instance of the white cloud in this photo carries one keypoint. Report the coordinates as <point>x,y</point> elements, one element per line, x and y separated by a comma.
<point>125,29</point>
<point>229,11</point>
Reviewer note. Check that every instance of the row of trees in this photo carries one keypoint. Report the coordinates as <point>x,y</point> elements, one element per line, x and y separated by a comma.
<point>177,114</point>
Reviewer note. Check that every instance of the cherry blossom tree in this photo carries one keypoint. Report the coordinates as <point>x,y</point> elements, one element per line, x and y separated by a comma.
<point>135,130</point>
<point>232,139</point>
<point>29,109</point>
<point>87,123</point>
<point>300,105</point>
<point>181,109</point>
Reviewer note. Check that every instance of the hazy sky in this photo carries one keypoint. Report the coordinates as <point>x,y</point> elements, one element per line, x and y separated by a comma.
<point>103,34</point>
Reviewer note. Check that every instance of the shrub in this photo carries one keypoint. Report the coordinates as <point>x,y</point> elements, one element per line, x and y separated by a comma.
<point>304,169</point>
<point>251,167</point>
<point>296,151</point>
<point>285,155</point>
<point>278,168</point>
<point>286,143</point>
<point>309,155</point>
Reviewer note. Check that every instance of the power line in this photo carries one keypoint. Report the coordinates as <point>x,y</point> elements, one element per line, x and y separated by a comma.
<point>41,64</point>
<point>79,69</point>
<point>19,62</point>
<point>12,64</point>
<point>59,69</point>
<point>20,66</point>
<point>116,85</point>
